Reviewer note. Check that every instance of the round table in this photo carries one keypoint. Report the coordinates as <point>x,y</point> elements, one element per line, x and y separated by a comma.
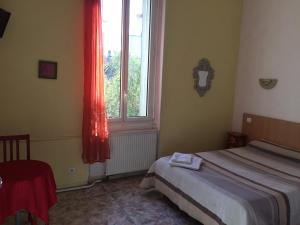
<point>27,185</point>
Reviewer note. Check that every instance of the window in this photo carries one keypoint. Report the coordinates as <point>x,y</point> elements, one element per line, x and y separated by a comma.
<point>132,45</point>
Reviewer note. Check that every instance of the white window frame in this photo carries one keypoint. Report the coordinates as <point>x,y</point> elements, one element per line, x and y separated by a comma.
<point>156,46</point>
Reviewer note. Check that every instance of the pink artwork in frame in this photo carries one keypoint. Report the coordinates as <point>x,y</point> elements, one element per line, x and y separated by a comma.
<point>47,69</point>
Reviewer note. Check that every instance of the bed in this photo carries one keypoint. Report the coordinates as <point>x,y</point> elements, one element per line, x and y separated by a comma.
<point>258,184</point>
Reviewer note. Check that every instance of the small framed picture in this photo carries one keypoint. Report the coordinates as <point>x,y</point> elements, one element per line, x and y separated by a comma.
<point>47,69</point>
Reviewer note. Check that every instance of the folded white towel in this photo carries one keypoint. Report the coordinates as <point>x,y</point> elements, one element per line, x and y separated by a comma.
<point>195,165</point>
<point>181,158</point>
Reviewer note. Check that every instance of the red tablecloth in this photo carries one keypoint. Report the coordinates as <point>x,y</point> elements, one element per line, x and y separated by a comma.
<point>29,185</point>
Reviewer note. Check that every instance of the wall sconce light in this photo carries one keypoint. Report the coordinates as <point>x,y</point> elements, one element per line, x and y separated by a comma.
<point>268,83</point>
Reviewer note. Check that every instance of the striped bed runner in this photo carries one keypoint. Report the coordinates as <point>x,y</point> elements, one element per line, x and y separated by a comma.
<point>254,180</point>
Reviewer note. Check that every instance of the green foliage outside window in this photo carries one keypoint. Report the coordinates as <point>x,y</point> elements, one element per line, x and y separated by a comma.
<point>112,86</point>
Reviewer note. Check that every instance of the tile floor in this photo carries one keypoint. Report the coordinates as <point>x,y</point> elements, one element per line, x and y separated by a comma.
<point>115,202</point>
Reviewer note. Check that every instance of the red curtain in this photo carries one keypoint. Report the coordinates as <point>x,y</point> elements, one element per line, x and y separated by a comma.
<point>94,129</point>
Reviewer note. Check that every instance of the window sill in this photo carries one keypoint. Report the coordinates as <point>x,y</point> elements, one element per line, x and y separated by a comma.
<point>132,126</point>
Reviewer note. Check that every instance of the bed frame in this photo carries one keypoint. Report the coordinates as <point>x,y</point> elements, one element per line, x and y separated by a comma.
<point>278,131</point>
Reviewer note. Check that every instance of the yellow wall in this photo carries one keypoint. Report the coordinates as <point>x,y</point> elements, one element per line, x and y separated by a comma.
<point>196,29</point>
<point>47,109</point>
<point>51,110</point>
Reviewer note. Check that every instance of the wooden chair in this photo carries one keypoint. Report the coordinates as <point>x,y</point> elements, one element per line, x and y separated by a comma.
<point>9,141</point>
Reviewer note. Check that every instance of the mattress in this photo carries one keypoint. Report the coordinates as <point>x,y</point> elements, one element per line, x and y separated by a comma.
<point>254,185</point>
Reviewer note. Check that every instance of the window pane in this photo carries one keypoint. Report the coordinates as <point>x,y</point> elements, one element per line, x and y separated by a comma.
<point>139,29</point>
<point>111,30</point>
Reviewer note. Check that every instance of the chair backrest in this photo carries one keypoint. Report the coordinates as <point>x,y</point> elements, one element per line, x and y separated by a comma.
<point>10,140</point>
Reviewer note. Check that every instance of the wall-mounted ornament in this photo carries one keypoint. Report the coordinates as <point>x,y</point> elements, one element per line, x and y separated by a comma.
<point>267,83</point>
<point>47,69</point>
<point>203,74</point>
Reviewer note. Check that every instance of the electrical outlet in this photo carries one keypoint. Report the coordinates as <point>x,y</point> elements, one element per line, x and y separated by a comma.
<point>249,120</point>
<point>72,170</point>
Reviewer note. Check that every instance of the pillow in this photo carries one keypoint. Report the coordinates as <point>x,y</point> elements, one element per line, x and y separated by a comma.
<point>276,149</point>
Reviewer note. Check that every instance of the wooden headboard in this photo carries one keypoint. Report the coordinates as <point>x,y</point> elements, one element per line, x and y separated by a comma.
<point>278,131</point>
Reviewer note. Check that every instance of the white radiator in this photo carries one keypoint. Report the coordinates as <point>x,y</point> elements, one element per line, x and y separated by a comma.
<point>131,152</point>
